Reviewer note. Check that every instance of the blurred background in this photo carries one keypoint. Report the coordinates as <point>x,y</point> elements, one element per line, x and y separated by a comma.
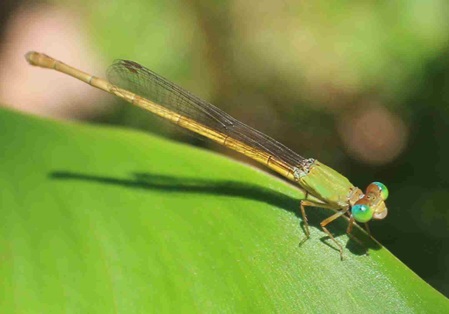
<point>363,86</point>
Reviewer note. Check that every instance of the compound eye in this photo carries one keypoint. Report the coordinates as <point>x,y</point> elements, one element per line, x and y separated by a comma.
<point>362,212</point>
<point>380,188</point>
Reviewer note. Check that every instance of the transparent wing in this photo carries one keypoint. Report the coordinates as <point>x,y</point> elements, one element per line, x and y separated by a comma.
<point>132,76</point>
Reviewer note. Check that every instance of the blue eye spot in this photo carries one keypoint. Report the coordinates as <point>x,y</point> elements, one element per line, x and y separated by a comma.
<point>362,212</point>
<point>383,190</point>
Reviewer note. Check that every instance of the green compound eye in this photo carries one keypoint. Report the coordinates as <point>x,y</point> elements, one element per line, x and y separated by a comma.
<point>383,190</point>
<point>362,212</point>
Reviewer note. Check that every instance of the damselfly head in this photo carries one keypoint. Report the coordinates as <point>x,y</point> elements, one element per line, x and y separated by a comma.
<point>372,204</point>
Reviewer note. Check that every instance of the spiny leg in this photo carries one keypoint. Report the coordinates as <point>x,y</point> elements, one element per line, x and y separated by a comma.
<point>350,225</point>
<point>367,229</point>
<point>349,231</point>
<point>302,206</point>
<point>327,221</point>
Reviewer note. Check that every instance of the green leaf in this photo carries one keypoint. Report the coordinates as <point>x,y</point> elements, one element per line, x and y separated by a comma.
<point>96,219</point>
